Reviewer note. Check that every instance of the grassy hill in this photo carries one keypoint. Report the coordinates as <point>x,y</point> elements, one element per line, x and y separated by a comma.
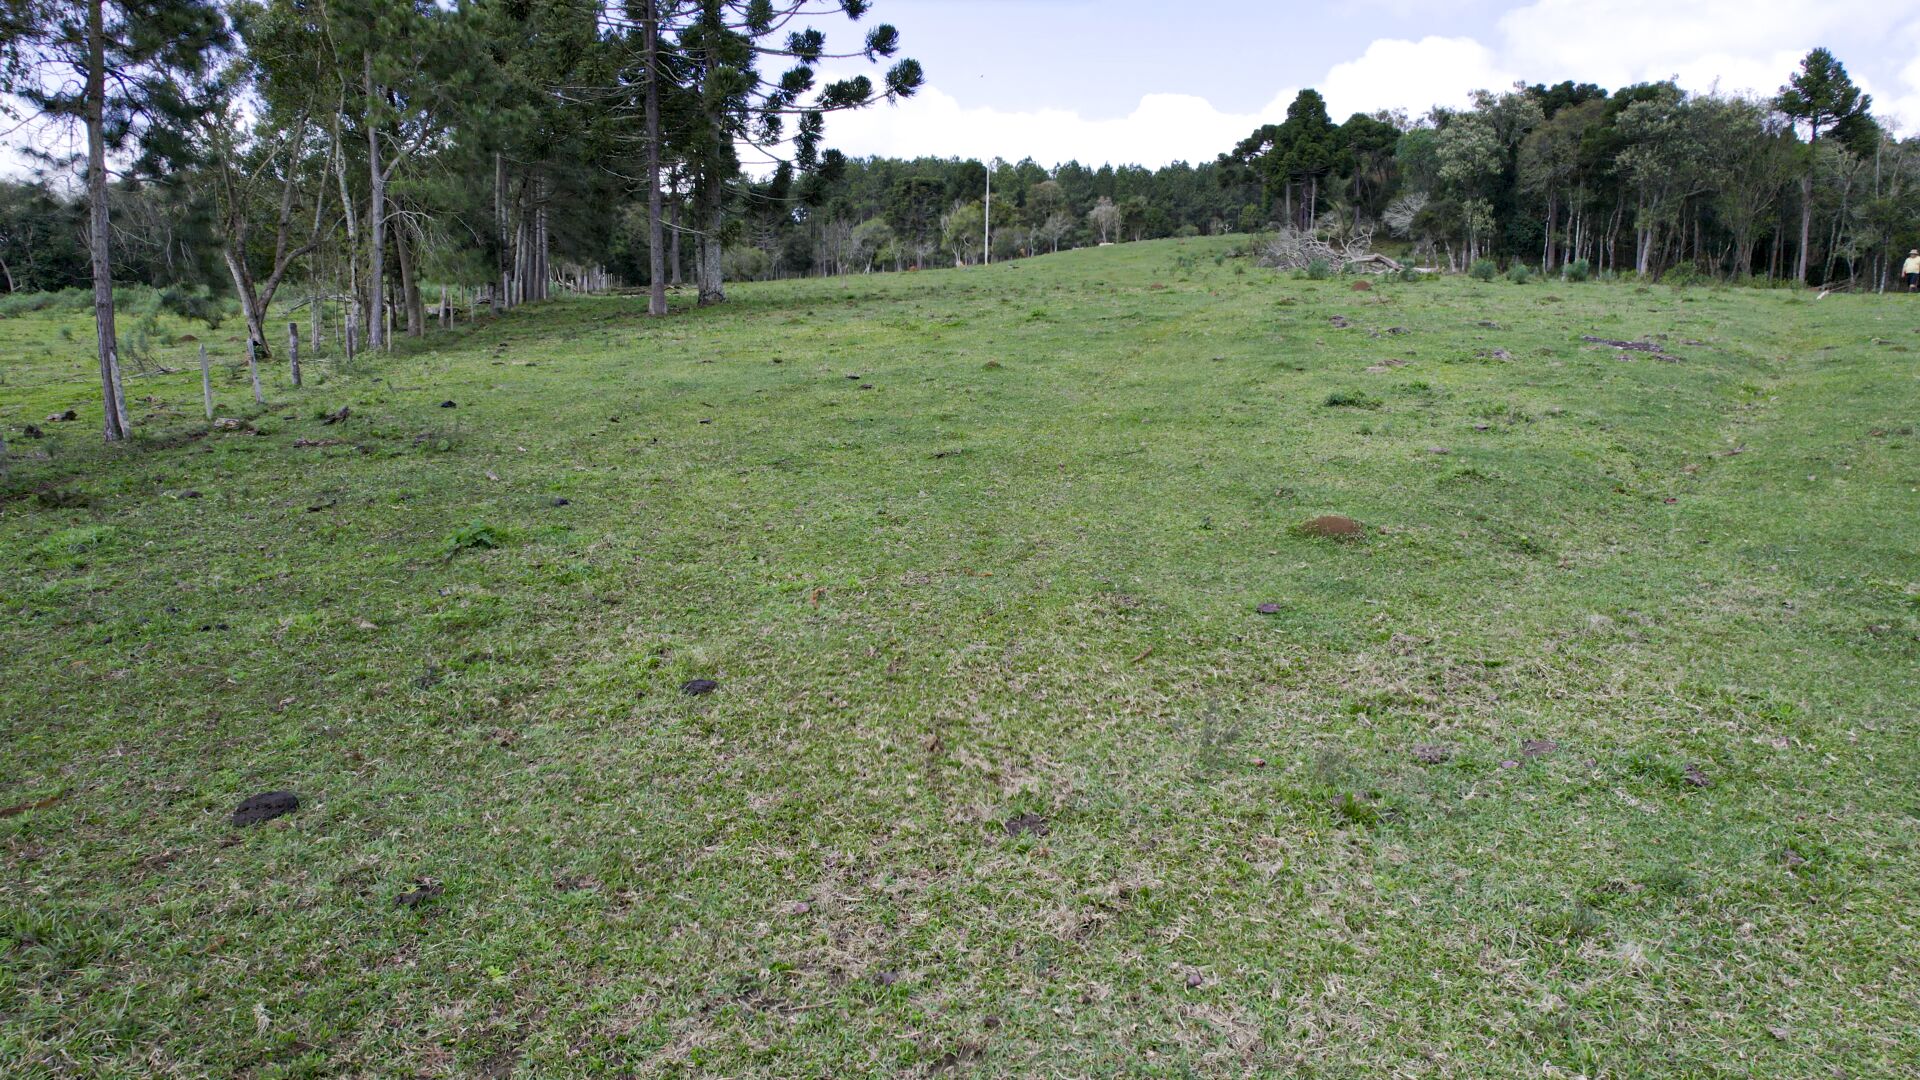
<point>1045,740</point>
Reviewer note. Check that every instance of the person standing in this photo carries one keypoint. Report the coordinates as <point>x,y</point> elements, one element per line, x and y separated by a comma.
<point>1911,271</point>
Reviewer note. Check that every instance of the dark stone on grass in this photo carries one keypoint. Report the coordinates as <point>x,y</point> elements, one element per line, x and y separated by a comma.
<point>1695,778</point>
<point>1539,747</point>
<point>1027,823</point>
<point>1268,609</point>
<point>1431,753</point>
<point>190,494</point>
<point>421,893</point>
<point>886,978</point>
<point>561,502</point>
<point>698,687</point>
<point>32,432</point>
<point>265,807</point>
<point>447,405</point>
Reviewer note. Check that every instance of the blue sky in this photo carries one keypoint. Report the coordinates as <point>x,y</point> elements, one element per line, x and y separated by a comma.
<point>1151,82</point>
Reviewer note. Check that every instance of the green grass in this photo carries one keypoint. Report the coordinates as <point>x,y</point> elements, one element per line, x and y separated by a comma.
<point>965,549</point>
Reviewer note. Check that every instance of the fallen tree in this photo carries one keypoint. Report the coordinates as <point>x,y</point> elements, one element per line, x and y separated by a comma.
<point>1291,249</point>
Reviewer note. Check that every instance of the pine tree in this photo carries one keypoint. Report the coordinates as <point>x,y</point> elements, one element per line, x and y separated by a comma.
<point>57,58</point>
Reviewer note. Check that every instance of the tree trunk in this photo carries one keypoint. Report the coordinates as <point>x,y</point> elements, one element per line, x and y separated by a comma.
<point>250,307</point>
<point>673,245</point>
<point>293,352</point>
<point>1806,225</point>
<point>376,223</point>
<point>409,280</point>
<point>99,236</point>
<point>505,255</point>
<point>350,307</point>
<point>656,233</point>
<point>712,287</point>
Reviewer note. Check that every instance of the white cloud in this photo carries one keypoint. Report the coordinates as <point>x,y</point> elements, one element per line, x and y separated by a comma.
<point>1160,129</point>
<point>1411,75</point>
<point>1898,106</point>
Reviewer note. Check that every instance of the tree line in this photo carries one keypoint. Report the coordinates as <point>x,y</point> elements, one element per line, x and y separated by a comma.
<point>347,156</point>
<point>1805,186</point>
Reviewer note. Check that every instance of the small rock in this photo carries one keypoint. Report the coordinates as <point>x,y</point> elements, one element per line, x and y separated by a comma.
<point>1509,764</point>
<point>32,432</point>
<point>698,687</point>
<point>1195,980</point>
<point>1268,609</point>
<point>1790,857</point>
<point>447,405</point>
<point>1438,450</point>
<point>265,807</point>
<point>886,978</point>
<point>1259,763</point>
<point>190,494</point>
<point>1538,747</point>
<point>799,907</point>
<point>561,502</point>
<point>1695,777</point>
<point>1431,753</point>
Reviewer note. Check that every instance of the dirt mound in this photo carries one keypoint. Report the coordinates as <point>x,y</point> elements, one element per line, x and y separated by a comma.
<point>1362,286</point>
<point>1333,527</point>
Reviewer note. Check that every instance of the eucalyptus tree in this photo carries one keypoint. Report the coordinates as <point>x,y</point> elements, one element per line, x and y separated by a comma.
<point>122,71</point>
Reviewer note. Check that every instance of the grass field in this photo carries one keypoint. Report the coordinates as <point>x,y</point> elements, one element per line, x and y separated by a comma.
<point>1007,772</point>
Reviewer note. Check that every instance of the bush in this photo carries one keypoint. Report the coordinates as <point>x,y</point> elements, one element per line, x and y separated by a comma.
<point>17,304</point>
<point>1684,275</point>
<point>1352,399</point>
<point>1319,270</point>
<point>1519,274</point>
<point>1410,275</point>
<point>1483,270</point>
<point>1577,270</point>
<point>475,537</point>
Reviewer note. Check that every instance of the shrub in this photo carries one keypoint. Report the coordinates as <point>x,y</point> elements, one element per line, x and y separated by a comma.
<point>1319,269</point>
<point>1519,274</point>
<point>1409,275</point>
<point>1685,274</point>
<point>474,537</point>
<point>1577,270</point>
<point>1352,399</point>
<point>1483,270</point>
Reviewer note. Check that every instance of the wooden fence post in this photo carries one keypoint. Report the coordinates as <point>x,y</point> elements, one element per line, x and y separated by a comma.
<point>293,351</point>
<point>206,380</point>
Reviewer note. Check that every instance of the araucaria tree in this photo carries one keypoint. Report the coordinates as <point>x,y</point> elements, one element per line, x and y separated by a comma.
<point>1822,96</point>
<point>118,70</point>
<point>723,44</point>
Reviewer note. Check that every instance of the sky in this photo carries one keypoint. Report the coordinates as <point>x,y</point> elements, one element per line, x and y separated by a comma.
<point>1150,82</point>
